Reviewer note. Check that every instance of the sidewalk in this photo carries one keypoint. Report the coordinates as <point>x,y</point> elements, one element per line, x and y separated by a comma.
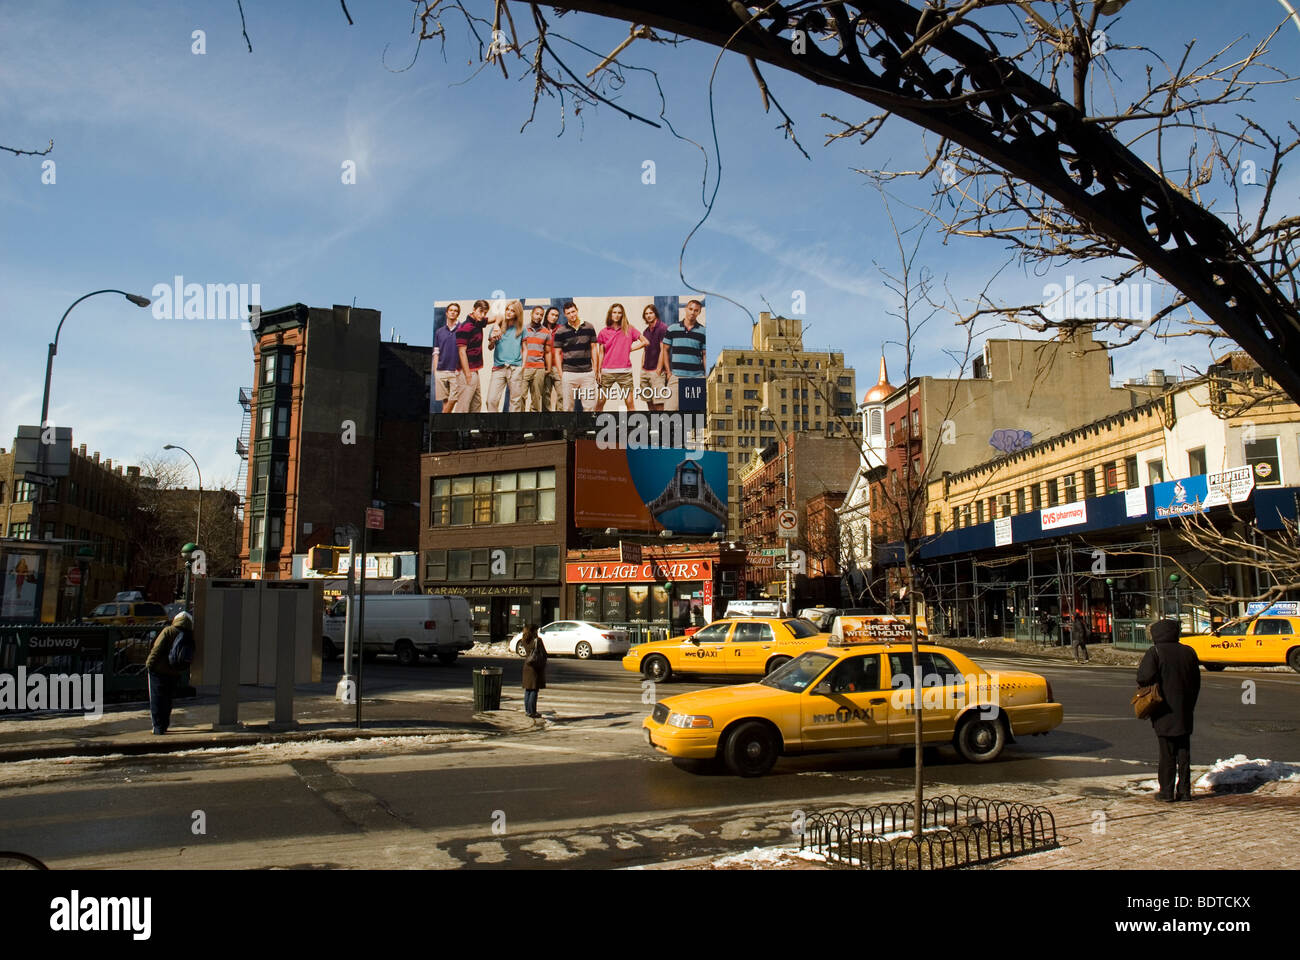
<point>126,728</point>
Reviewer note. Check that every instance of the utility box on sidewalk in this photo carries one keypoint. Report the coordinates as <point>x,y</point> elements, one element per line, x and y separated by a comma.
<point>257,618</point>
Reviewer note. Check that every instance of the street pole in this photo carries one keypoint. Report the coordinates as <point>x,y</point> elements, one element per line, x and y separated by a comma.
<point>45,397</point>
<point>198,523</point>
<point>346,682</point>
<point>361,619</point>
<point>789,607</point>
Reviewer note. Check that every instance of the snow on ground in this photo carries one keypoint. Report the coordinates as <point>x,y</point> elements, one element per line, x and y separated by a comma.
<point>766,858</point>
<point>501,649</point>
<point>1237,774</point>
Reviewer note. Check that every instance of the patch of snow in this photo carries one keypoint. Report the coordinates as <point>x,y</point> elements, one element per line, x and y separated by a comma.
<point>1237,772</point>
<point>757,858</point>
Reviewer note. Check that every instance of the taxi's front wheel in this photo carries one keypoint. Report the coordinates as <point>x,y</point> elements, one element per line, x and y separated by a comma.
<point>980,740</point>
<point>656,668</point>
<point>751,750</point>
<point>1214,667</point>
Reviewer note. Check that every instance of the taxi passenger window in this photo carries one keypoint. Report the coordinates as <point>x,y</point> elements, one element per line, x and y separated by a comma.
<point>936,669</point>
<point>715,633</point>
<point>1272,627</point>
<point>751,632</point>
<point>856,675</point>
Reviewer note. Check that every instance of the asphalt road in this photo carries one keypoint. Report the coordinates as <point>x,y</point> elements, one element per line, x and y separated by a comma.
<point>584,791</point>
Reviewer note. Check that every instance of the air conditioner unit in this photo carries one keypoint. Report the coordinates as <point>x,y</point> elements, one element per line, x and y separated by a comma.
<point>728,576</point>
<point>728,590</point>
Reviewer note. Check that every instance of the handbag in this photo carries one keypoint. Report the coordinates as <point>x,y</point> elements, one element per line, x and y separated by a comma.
<point>1147,698</point>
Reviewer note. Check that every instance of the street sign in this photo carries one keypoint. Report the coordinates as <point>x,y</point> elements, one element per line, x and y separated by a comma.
<point>788,564</point>
<point>374,519</point>
<point>787,524</point>
<point>629,552</point>
<point>39,479</point>
<point>773,551</point>
<point>74,576</point>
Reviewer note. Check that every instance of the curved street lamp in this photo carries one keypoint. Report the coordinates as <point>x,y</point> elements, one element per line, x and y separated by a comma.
<point>198,523</point>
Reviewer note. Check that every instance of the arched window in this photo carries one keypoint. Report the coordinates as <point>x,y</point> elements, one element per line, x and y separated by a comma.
<point>877,423</point>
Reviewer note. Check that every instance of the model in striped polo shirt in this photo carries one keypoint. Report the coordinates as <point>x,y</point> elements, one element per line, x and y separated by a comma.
<point>537,362</point>
<point>575,343</point>
<point>682,355</point>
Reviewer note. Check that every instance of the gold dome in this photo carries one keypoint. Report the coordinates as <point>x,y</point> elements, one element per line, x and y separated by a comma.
<point>883,387</point>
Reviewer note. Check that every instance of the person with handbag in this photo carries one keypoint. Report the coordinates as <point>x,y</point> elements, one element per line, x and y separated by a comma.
<point>534,669</point>
<point>1169,681</point>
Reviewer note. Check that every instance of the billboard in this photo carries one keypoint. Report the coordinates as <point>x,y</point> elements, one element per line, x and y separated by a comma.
<point>684,491</point>
<point>568,354</point>
<point>1177,498</point>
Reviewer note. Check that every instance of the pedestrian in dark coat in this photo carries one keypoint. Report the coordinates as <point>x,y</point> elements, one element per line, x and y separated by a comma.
<point>1079,638</point>
<point>534,669</point>
<point>1176,669</point>
<point>162,675</point>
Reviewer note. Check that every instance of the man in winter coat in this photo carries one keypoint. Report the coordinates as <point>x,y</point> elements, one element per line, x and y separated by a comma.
<point>1079,638</point>
<point>162,675</point>
<point>534,669</point>
<point>1176,669</point>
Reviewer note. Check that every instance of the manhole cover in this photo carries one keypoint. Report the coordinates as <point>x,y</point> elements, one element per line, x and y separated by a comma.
<point>1255,726</point>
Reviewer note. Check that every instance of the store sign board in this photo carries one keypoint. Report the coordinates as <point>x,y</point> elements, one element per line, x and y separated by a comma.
<point>1135,502</point>
<point>1064,516</point>
<point>1178,498</point>
<point>1001,531</point>
<point>649,572</point>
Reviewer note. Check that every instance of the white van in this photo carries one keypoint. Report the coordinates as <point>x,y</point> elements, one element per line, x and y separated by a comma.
<point>408,626</point>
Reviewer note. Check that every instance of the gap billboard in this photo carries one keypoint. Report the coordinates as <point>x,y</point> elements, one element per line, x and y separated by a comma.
<point>567,354</point>
<point>684,491</point>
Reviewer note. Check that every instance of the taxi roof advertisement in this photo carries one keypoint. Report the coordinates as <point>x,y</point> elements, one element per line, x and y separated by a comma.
<point>680,490</point>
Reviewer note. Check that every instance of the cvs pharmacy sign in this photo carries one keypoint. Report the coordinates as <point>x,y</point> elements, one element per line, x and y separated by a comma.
<point>1066,516</point>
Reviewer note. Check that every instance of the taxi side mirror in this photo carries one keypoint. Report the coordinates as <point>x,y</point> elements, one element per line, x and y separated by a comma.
<point>823,689</point>
<point>693,640</point>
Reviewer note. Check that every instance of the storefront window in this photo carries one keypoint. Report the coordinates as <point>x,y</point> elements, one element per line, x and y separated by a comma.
<point>658,602</point>
<point>638,602</point>
<point>591,603</point>
<point>1262,458</point>
<point>615,604</point>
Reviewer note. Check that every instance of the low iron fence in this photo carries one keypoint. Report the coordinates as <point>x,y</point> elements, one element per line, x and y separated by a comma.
<point>116,652</point>
<point>956,832</point>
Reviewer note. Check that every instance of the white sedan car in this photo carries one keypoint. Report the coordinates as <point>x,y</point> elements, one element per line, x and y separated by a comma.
<point>581,638</point>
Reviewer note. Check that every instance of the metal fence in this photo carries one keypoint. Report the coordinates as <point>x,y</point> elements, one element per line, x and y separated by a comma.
<point>955,832</point>
<point>116,652</point>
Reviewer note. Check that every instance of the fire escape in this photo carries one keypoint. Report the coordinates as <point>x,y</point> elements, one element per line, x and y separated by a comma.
<point>241,446</point>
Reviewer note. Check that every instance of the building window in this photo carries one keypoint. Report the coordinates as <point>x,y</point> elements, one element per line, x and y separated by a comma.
<point>1112,477</point>
<point>956,518</point>
<point>965,515</point>
<point>20,531</point>
<point>523,563</point>
<point>279,475</point>
<point>286,367</point>
<point>1196,462</point>
<point>282,420</point>
<point>1090,482</point>
<point>546,562</point>
<point>268,368</point>
<point>1069,488</point>
<point>266,423</point>
<point>479,564</point>
<point>457,564</point>
<point>1052,495</point>
<point>979,511</point>
<point>1262,457</point>
<point>275,538</point>
<point>256,531</point>
<point>1020,500</point>
<point>938,520</point>
<point>1155,471</point>
<point>1036,493</point>
<point>1130,473</point>
<point>1004,504</point>
<point>435,565</point>
<point>24,492</point>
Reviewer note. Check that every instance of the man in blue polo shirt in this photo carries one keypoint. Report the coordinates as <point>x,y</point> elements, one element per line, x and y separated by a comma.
<point>682,355</point>
<point>446,361</point>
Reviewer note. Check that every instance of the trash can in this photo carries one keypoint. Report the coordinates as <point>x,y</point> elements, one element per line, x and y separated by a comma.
<point>487,689</point>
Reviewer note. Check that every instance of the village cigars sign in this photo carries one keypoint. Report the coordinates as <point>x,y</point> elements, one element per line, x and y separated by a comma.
<point>652,571</point>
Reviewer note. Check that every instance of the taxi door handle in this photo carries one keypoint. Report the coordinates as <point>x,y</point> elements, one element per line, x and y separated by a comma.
<point>877,700</point>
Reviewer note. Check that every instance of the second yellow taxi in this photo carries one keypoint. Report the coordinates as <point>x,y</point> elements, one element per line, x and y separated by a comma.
<point>737,646</point>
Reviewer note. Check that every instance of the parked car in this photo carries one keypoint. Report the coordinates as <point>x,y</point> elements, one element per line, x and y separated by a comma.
<point>128,612</point>
<point>406,625</point>
<point>581,638</point>
<point>852,696</point>
<point>743,646</point>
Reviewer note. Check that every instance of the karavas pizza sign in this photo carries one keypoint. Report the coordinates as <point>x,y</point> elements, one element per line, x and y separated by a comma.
<point>652,571</point>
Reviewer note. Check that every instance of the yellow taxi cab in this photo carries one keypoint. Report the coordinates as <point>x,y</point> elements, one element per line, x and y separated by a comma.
<point>1261,641</point>
<point>851,696</point>
<point>738,646</point>
<point>125,613</point>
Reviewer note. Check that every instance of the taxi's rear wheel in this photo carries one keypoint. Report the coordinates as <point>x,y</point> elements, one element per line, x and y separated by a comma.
<point>1293,659</point>
<point>1214,667</point>
<point>655,667</point>
<point>776,663</point>
<point>751,750</point>
<point>981,739</point>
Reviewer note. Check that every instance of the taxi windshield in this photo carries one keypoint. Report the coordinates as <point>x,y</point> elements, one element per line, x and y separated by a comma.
<point>800,628</point>
<point>795,676</point>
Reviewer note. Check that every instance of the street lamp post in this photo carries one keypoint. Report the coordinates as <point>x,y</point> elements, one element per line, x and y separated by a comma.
<point>187,552</point>
<point>785,457</point>
<point>1174,578</point>
<point>198,523</point>
<point>139,301</point>
<point>1110,589</point>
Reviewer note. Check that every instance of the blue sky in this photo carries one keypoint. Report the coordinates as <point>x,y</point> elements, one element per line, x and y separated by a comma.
<point>226,168</point>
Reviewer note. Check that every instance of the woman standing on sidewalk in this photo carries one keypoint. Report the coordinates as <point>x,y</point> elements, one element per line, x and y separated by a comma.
<point>534,669</point>
<point>1176,669</point>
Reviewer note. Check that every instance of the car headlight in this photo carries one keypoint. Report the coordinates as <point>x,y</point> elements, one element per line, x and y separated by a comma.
<point>689,721</point>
